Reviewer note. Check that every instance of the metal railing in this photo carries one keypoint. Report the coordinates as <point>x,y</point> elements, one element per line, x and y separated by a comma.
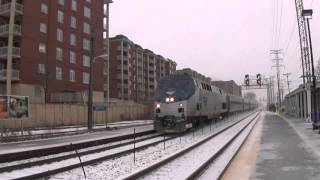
<point>6,8</point>
<point>4,29</point>
<point>4,51</point>
<point>15,75</point>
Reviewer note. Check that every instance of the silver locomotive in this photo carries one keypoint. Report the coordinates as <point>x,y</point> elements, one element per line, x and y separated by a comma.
<point>182,101</point>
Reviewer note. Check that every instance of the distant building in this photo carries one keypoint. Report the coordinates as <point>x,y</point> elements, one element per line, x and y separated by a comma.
<point>229,87</point>
<point>134,71</point>
<point>194,74</point>
<point>45,48</point>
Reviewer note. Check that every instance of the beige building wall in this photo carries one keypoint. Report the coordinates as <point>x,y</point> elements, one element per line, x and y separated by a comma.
<point>54,115</point>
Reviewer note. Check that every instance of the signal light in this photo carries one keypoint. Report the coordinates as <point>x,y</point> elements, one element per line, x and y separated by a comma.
<point>259,79</point>
<point>247,80</point>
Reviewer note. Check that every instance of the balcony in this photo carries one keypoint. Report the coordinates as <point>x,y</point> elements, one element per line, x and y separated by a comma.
<point>4,30</point>
<point>119,76</point>
<point>5,9</point>
<point>15,75</point>
<point>4,52</point>
<point>126,49</point>
<point>124,86</point>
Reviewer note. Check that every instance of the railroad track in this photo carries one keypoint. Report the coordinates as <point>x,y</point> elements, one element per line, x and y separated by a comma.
<point>61,163</point>
<point>68,161</point>
<point>53,134</point>
<point>40,152</point>
<point>192,161</point>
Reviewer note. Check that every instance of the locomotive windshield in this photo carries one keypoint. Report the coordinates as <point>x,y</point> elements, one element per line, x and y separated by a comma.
<point>179,86</point>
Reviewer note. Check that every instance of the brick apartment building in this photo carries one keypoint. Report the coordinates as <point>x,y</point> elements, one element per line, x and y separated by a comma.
<point>45,46</point>
<point>229,87</point>
<point>134,71</point>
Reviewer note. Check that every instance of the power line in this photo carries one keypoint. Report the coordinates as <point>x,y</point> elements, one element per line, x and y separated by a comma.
<point>290,38</point>
<point>273,23</point>
<point>311,3</point>
<point>280,24</point>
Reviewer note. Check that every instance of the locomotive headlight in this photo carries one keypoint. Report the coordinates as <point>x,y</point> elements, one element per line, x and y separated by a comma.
<point>172,99</point>
<point>180,105</point>
<point>158,105</point>
<point>167,99</point>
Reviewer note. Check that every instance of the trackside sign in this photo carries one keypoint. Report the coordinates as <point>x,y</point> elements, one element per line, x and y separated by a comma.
<point>14,107</point>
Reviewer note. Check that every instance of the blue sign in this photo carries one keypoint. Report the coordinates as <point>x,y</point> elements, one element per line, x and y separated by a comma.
<point>99,107</point>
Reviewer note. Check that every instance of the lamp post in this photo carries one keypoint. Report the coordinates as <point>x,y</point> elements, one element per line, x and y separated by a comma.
<point>107,63</point>
<point>307,14</point>
<point>90,100</point>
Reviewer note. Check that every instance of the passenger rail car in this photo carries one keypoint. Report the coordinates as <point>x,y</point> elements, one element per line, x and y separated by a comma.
<point>182,101</point>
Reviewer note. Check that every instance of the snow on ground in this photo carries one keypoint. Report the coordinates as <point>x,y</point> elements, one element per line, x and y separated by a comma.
<point>304,130</point>
<point>184,165</point>
<point>42,131</point>
<point>218,166</point>
<point>115,168</point>
<point>66,140</point>
<point>70,152</point>
<point>76,160</point>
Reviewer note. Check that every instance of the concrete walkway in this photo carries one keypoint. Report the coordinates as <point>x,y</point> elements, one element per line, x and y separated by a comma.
<point>283,154</point>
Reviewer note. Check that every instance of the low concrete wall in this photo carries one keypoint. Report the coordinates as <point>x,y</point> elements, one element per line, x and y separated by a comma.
<point>54,115</point>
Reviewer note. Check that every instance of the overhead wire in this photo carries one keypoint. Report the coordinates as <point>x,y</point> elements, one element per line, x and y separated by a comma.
<point>311,3</point>
<point>280,24</point>
<point>276,24</point>
<point>273,24</point>
<point>293,29</point>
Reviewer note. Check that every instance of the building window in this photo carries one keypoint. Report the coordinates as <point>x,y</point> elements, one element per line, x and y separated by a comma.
<point>73,39</point>
<point>61,2</point>
<point>85,78</point>
<point>59,54</point>
<point>73,22</point>
<point>86,28</point>
<point>60,16</point>
<point>86,61</point>
<point>43,28</point>
<point>73,5</point>
<point>86,44</point>
<point>59,35</point>
<point>42,48</point>
<point>72,57</point>
<point>41,69</point>
<point>58,73</point>
<point>72,75</point>
<point>44,8</point>
<point>86,12</point>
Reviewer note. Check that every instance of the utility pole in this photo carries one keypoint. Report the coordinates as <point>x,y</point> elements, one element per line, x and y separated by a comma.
<point>90,97</point>
<point>107,64</point>
<point>277,65</point>
<point>288,82</point>
<point>304,45</point>
<point>272,90</point>
<point>307,14</point>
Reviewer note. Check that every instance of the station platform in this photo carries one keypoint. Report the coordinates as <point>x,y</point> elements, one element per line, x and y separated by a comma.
<point>278,148</point>
<point>24,146</point>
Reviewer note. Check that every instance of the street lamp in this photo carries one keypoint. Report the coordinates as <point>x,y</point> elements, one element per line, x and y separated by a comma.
<point>307,14</point>
<point>90,103</point>
<point>107,63</point>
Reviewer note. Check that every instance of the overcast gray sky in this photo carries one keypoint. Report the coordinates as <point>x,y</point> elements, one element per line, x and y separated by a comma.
<point>221,39</point>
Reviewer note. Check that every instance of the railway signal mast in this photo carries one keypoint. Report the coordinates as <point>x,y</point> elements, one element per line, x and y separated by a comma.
<point>259,82</point>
